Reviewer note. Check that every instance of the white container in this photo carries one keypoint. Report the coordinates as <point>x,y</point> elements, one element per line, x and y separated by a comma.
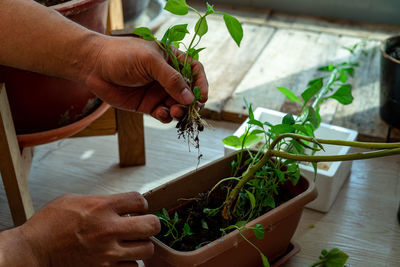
<point>330,175</point>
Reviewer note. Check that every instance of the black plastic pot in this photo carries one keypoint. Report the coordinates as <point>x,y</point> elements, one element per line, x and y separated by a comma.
<point>390,81</point>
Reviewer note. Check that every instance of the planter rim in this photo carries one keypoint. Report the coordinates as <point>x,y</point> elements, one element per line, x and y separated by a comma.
<point>275,215</point>
<point>75,6</point>
<point>383,48</point>
<point>44,137</point>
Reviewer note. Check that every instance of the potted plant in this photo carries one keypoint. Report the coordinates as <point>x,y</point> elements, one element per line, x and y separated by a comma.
<point>248,203</point>
<point>329,176</point>
<point>39,103</point>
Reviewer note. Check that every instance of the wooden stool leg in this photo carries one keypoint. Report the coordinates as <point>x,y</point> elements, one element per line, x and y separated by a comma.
<point>130,138</point>
<point>14,165</point>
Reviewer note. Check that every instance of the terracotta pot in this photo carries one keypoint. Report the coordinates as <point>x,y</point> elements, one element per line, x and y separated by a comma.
<point>39,103</point>
<point>390,83</point>
<point>230,250</point>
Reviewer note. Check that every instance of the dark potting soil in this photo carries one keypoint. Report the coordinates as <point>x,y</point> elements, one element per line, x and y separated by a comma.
<point>191,212</point>
<point>51,2</point>
<point>394,52</point>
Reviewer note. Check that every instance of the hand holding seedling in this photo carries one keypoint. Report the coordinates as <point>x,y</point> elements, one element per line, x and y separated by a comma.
<point>83,231</point>
<point>133,74</point>
<point>190,124</point>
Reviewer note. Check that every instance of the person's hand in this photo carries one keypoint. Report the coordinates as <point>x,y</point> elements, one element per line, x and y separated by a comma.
<point>133,74</point>
<point>76,230</point>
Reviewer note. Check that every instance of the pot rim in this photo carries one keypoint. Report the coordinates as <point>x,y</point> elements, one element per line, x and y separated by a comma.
<point>75,6</point>
<point>383,48</point>
<point>44,137</point>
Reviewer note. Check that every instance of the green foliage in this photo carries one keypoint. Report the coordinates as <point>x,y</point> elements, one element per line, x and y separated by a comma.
<point>332,258</point>
<point>177,7</point>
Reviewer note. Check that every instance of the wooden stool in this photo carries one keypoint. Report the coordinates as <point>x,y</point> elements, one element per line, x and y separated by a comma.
<point>15,161</point>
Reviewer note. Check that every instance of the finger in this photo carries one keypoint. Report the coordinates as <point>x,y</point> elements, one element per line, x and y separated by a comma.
<point>154,96</point>
<point>138,227</point>
<point>162,114</point>
<point>169,101</point>
<point>137,250</point>
<point>172,81</point>
<point>124,203</point>
<point>177,111</point>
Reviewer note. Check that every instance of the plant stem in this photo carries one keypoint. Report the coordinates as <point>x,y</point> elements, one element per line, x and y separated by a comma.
<point>389,149</point>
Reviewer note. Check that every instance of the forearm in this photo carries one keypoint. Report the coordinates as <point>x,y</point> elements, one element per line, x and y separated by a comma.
<point>16,251</point>
<point>39,39</point>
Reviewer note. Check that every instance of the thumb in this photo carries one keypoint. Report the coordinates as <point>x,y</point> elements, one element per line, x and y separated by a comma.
<point>173,82</point>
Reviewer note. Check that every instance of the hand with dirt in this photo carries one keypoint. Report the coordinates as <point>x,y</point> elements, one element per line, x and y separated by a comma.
<point>133,74</point>
<point>76,230</point>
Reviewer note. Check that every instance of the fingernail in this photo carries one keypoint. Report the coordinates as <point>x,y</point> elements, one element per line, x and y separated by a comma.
<point>187,96</point>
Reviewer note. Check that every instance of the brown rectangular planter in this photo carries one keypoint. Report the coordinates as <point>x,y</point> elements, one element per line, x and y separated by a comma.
<point>231,249</point>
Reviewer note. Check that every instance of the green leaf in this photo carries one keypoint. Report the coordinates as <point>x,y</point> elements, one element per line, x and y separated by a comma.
<point>289,94</point>
<point>256,122</point>
<point>234,27</point>
<point>197,93</point>
<point>177,7</point>
<point>343,95</point>
<point>280,174</point>
<point>269,201</point>
<point>232,141</point>
<point>282,128</point>
<point>342,76</point>
<point>176,217</point>
<point>251,139</point>
<point>303,129</point>
<point>194,53</point>
<point>257,131</point>
<point>252,199</point>
<point>204,224</point>
<point>264,260</point>
<point>186,229</point>
<point>312,117</point>
<point>328,68</point>
<point>210,9</point>
<point>165,38</point>
<point>178,32</point>
<point>288,119</point>
<point>165,214</point>
<point>314,86</point>
<point>350,71</point>
<point>259,231</point>
<point>335,258</point>
<point>201,27</point>
<point>145,33</point>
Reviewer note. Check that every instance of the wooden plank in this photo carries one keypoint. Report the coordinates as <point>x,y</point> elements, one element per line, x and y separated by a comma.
<point>279,64</point>
<point>115,14</point>
<point>105,125</point>
<point>14,167</point>
<point>363,113</point>
<point>130,138</point>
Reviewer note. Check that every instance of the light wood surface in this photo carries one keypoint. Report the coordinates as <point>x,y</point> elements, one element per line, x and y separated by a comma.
<point>362,221</point>
<point>285,50</point>
<point>14,165</point>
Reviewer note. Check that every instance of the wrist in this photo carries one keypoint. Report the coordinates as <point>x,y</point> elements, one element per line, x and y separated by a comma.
<point>16,250</point>
<point>88,55</point>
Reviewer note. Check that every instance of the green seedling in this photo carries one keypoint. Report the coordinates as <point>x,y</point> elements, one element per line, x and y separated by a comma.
<point>332,258</point>
<point>191,124</point>
<point>171,224</point>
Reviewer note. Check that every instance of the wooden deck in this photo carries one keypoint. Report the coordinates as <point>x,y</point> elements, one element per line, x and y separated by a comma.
<point>283,50</point>
<point>362,221</point>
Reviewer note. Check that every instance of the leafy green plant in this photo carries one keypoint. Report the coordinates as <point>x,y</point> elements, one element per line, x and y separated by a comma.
<point>332,258</point>
<point>191,124</point>
<point>171,224</point>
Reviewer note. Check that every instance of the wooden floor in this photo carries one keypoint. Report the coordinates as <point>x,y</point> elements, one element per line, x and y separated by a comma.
<point>284,50</point>
<point>362,221</point>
